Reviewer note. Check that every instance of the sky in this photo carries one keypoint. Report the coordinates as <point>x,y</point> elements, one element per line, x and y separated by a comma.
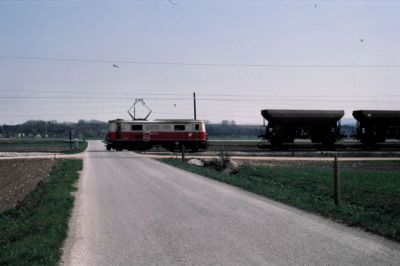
<point>71,60</point>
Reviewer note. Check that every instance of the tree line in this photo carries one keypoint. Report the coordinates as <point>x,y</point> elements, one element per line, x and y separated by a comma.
<point>94,129</point>
<point>53,129</point>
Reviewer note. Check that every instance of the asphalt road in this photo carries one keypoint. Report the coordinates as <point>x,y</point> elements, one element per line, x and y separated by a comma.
<point>133,210</point>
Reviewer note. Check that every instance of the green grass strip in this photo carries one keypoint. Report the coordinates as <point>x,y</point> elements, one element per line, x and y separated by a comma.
<point>34,231</point>
<point>370,197</point>
<point>82,147</point>
<point>62,146</point>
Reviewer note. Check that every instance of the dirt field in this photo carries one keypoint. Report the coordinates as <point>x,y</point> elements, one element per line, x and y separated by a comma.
<point>19,176</point>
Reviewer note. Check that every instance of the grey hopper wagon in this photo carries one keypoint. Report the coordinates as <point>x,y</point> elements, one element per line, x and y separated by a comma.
<point>377,125</point>
<point>321,126</point>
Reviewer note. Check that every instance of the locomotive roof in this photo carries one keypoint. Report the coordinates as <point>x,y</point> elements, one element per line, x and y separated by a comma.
<point>158,121</point>
<point>369,115</point>
<point>303,115</point>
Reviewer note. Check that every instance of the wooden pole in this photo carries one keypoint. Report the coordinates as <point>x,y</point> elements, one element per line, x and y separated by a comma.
<point>70,139</point>
<point>183,152</point>
<point>54,146</point>
<point>336,181</point>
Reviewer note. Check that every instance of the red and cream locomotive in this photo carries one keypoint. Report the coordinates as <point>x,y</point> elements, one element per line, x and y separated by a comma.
<point>168,134</point>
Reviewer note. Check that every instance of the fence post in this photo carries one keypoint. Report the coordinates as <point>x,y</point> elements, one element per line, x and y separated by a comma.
<point>183,152</point>
<point>336,181</point>
<point>70,140</point>
<point>54,146</point>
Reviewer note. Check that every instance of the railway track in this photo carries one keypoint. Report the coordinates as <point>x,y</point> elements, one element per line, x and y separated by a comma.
<point>255,145</point>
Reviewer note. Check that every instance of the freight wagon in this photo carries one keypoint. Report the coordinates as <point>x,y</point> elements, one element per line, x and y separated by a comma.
<point>375,126</point>
<point>284,126</point>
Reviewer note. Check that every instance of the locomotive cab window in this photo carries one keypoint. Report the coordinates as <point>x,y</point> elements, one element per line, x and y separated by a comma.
<point>179,127</point>
<point>137,127</point>
<point>197,127</point>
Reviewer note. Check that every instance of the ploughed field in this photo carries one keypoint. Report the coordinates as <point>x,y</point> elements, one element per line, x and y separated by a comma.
<point>20,176</point>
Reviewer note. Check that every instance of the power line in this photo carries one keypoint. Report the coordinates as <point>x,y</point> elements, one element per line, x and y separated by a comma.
<point>229,1</point>
<point>195,64</point>
<point>297,100</point>
<point>94,113</point>
<point>90,97</point>
<point>63,103</point>
<point>80,92</point>
<point>130,94</point>
<point>202,99</point>
<point>168,105</point>
<point>61,114</point>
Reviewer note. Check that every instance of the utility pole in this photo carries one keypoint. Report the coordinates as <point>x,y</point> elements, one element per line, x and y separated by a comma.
<point>194,105</point>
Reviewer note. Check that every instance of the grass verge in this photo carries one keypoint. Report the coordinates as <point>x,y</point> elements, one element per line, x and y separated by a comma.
<point>82,147</point>
<point>370,191</point>
<point>34,231</point>
<point>42,145</point>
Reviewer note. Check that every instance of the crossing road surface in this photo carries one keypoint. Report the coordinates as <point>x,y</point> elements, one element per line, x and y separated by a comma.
<point>132,210</point>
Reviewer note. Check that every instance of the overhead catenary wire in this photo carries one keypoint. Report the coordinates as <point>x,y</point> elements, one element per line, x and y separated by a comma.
<point>194,64</point>
<point>234,109</point>
<point>81,92</point>
<point>201,99</point>
<point>107,112</point>
<point>142,94</point>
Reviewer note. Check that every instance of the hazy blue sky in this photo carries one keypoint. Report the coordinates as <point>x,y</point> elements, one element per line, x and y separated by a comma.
<point>238,56</point>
